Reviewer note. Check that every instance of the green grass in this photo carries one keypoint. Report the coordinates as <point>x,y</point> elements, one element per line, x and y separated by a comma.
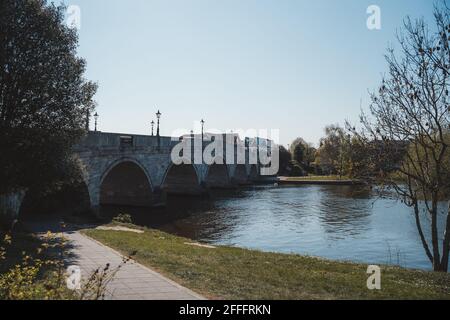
<point>233,273</point>
<point>317,178</point>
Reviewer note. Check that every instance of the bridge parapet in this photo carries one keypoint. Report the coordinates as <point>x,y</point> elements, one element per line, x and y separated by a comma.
<point>96,140</point>
<point>106,140</point>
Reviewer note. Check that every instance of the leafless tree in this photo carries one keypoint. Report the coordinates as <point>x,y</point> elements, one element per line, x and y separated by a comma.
<point>406,135</point>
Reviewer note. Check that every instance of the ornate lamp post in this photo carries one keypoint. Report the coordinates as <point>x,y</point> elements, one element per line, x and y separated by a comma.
<point>203,135</point>
<point>158,117</point>
<point>257,150</point>
<point>203,126</point>
<point>153,126</point>
<point>96,120</point>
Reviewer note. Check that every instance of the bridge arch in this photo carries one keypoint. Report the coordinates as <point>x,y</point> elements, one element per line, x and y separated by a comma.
<point>183,179</point>
<point>217,176</point>
<point>126,182</point>
<point>253,175</point>
<point>240,175</point>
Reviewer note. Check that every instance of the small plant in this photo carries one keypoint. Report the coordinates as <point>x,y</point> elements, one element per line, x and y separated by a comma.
<point>95,287</point>
<point>123,218</point>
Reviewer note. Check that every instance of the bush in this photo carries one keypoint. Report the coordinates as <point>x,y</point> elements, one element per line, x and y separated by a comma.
<point>123,218</point>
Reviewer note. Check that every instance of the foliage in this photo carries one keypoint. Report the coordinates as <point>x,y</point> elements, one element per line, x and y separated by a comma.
<point>34,276</point>
<point>38,272</point>
<point>285,158</point>
<point>408,127</point>
<point>44,97</point>
<point>334,155</point>
<point>303,155</point>
<point>123,218</point>
<point>297,169</point>
<point>302,151</point>
<point>95,287</point>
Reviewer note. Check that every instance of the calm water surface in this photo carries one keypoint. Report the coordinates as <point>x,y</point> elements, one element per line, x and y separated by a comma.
<point>334,222</point>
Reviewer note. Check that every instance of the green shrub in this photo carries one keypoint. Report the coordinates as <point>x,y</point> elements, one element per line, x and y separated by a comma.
<point>123,218</point>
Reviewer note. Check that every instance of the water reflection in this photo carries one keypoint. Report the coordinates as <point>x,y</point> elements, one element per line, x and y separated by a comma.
<point>344,212</point>
<point>346,223</point>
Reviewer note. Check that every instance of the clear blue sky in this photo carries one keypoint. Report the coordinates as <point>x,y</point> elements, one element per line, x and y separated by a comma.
<point>290,65</point>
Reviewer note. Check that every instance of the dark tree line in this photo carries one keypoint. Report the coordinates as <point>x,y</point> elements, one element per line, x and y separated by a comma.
<point>334,156</point>
<point>44,97</point>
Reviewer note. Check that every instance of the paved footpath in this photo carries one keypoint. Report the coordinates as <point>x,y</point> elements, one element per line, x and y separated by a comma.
<point>132,282</point>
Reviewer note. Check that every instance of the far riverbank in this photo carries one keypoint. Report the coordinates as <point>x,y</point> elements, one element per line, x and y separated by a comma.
<point>319,180</point>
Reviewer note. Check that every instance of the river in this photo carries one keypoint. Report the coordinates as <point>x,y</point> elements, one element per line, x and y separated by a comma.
<point>335,222</point>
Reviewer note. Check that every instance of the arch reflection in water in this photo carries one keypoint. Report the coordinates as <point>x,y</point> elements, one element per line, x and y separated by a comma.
<point>218,177</point>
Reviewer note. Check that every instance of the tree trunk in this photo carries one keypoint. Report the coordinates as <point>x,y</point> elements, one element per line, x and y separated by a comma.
<point>446,245</point>
<point>435,235</point>
<point>9,208</point>
<point>421,234</point>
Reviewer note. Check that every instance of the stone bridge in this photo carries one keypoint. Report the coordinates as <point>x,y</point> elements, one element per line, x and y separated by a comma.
<point>137,170</point>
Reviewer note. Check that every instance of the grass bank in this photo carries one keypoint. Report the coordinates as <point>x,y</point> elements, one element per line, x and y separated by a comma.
<point>320,180</point>
<point>233,273</point>
<point>316,178</point>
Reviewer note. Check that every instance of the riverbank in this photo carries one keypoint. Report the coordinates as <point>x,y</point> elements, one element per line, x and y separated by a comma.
<point>234,273</point>
<point>319,180</point>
